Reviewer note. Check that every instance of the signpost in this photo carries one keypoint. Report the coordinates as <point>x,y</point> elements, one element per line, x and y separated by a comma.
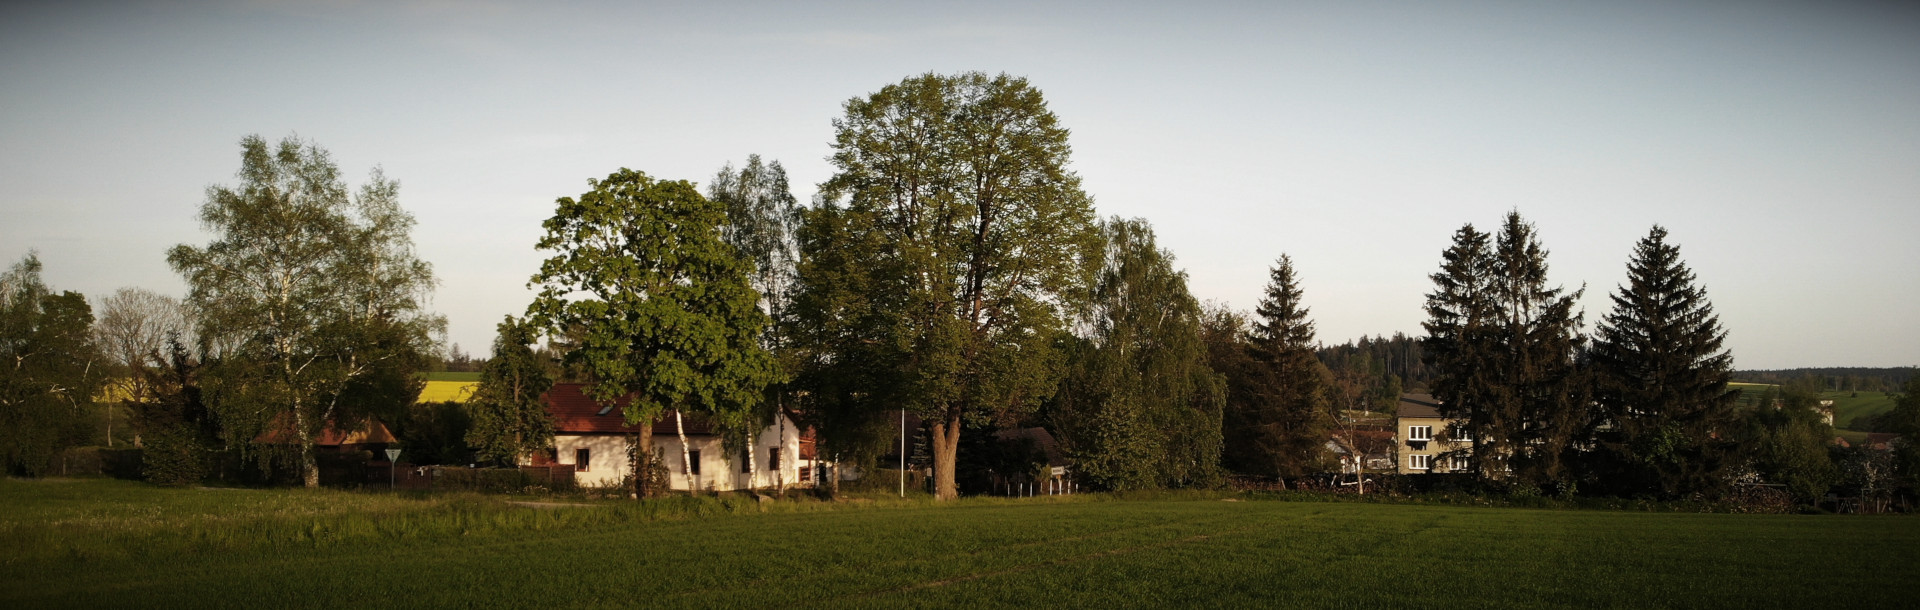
<point>393,455</point>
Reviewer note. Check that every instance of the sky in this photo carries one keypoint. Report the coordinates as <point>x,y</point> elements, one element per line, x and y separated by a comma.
<point>1779,143</point>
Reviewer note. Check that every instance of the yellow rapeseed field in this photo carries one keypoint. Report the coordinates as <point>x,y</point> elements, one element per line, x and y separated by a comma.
<point>441,391</point>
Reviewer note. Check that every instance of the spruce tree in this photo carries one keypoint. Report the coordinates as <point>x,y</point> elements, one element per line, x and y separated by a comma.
<point>1661,379</point>
<point>1541,400</point>
<point>510,419</point>
<point>1276,421</point>
<point>1460,341</point>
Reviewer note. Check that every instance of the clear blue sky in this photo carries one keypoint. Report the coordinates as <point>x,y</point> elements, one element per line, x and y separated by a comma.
<point>1779,142</point>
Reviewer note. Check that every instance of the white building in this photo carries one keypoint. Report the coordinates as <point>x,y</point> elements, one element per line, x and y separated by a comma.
<point>594,438</point>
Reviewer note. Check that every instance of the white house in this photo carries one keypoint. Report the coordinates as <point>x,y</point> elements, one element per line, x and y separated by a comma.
<point>594,437</point>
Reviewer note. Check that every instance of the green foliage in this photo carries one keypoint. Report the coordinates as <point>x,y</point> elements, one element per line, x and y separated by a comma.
<point>979,235</point>
<point>661,307</point>
<point>1661,379</point>
<point>840,327</point>
<point>310,301</point>
<point>762,219</point>
<point>1276,414</point>
<point>508,417</point>
<point>1140,407</point>
<point>1502,345</point>
<point>49,370</point>
<point>1790,446</point>
<point>1904,420</point>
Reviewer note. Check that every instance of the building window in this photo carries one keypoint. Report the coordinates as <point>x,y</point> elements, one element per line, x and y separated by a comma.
<point>1462,434</point>
<point>1419,462</point>
<point>1419,433</point>
<point>746,461</point>
<point>581,458</point>
<point>773,459</point>
<point>1459,464</point>
<point>693,461</point>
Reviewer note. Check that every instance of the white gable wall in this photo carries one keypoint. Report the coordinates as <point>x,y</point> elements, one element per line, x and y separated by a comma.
<point>718,471</point>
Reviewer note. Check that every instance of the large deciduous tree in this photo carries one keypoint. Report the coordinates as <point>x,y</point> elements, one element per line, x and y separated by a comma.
<point>1276,415</point>
<point>50,370</point>
<point>1661,380</point>
<point>310,300</point>
<point>510,420</point>
<point>134,331</point>
<point>985,233</point>
<point>661,307</point>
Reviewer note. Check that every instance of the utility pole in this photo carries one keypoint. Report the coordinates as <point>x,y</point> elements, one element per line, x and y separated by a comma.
<point>903,453</point>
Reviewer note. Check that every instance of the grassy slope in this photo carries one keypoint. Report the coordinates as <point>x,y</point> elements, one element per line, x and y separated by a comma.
<point>993,553</point>
<point>1848,408</point>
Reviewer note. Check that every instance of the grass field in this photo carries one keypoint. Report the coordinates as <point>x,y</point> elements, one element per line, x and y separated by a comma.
<point>116,544</point>
<point>1851,408</point>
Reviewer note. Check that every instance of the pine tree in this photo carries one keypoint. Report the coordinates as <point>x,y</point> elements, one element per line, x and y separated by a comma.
<point>1661,378</point>
<point>1276,421</point>
<point>1460,341</point>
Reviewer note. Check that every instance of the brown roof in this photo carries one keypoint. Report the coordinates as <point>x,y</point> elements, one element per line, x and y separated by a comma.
<point>369,431</point>
<point>1041,439</point>
<point>1419,405</point>
<point>576,413</point>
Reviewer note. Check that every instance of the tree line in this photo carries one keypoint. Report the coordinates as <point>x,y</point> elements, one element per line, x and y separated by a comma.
<point>951,267</point>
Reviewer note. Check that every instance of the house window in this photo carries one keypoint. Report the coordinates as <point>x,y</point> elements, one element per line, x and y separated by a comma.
<point>773,459</point>
<point>1419,462</point>
<point>1419,433</point>
<point>746,461</point>
<point>693,461</point>
<point>1462,434</point>
<point>1458,464</point>
<point>581,458</point>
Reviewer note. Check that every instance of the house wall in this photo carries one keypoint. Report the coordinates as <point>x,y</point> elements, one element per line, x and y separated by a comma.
<point>718,471</point>
<point>1434,448</point>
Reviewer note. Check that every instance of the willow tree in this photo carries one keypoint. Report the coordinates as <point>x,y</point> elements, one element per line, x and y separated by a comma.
<point>1141,407</point>
<point>310,302</point>
<point>660,306</point>
<point>985,235</point>
<point>1661,379</point>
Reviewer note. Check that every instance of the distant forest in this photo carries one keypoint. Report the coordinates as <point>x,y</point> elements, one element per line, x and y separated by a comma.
<point>1839,379</point>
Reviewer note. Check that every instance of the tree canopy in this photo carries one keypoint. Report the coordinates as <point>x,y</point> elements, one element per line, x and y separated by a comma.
<point>661,307</point>
<point>984,237</point>
<point>50,369</point>
<point>1276,417</point>
<point>310,301</point>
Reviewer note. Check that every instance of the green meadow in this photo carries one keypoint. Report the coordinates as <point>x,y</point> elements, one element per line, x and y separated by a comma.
<point>100,543</point>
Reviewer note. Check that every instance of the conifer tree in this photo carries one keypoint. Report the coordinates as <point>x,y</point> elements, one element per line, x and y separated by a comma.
<point>1661,378</point>
<point>1276,421</point>
<point>1460,341</point>
<point>509,418</point>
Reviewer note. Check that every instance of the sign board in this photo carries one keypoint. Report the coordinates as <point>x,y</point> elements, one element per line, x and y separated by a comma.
<point>1059,470</point>
<point>393,455</point>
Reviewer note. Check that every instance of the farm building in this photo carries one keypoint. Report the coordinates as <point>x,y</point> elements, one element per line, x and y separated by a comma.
<point>594,437</point>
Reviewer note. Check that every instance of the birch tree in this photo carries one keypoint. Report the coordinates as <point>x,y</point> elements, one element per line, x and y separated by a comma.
<point>310,300</point>
<point>762,220</point>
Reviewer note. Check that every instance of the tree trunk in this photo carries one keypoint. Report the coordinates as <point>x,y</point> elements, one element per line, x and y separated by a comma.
<point>686,454</point>
<point>753,461</point>
<point>642,461</point>
<point>946,447</point>
<point>309,467</point>
<point>780,474</point>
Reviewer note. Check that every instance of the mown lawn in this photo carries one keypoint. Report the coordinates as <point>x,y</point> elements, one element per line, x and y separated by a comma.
<point>472,551</point>
<point>1851,409</point>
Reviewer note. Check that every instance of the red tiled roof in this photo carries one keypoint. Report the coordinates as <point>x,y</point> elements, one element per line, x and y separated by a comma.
<point>576,413</point>
<point>368,431</point>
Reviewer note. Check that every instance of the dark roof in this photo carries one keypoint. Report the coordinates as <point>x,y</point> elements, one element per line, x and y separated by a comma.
<point>576,413</point>
<point>1041,438</point>
<point>1419,405</point>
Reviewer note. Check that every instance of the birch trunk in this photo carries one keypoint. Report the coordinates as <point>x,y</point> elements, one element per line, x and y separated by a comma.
<point>686,454</point>
<point>753,461</point>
